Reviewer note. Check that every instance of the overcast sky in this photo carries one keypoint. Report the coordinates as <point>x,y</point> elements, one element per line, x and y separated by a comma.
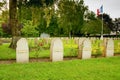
<point>111,7</point>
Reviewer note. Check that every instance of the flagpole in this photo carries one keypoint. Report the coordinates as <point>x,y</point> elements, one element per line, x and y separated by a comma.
<point>102,29</point>
<point>102,25</point>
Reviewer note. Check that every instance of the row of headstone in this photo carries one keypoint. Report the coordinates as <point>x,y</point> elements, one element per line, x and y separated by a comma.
<point>85,48</point>
<point>57,50</point>
<point>22,50</point>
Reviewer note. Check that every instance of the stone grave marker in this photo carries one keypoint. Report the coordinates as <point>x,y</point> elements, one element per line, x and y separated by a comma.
<point>110,48</point>
<point>56,50</point>
<point>103,45</point>
<point>87,49</point>
<point>22,51</point>
<point>67,40</point>
<point>51,48</point>
<point>76,40</point>
<point>80,45</point>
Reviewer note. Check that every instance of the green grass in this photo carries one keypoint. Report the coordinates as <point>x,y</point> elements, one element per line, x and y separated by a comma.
<point>91,69</point>
<point>117,46</point>
<point>70,48</point>
<point>7,53</point>
<point>97,47</point>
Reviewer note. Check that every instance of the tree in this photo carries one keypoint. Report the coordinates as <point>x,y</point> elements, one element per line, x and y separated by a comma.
<point>116,26</point>
<point>2,4</point>
<point>71,15</point>
<point>53,28</point>
<point>90,15</point>
<point>29,29</point>
<point>3,18</point>
<point>37,5</point>
<point>107,20</point>
<point>13,19</point>
<point>93,25</point>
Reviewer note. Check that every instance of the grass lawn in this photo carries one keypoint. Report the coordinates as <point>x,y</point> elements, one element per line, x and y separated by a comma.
<point>91,69</point>
<point>7,53</point>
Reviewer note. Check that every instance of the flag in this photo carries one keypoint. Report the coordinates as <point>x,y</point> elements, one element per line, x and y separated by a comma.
<point>100,10</point>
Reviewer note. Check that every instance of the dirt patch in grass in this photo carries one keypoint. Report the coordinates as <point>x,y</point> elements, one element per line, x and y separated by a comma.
<point>10,61</point>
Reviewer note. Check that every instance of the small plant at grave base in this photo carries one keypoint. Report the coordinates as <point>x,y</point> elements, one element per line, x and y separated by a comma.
<point>117,46</point>
<point>31,45</point>
<point>72,52</point>
<point>0,42</point>
<point>96,48</point>
<point>38,49</point>
<point>46,44</point>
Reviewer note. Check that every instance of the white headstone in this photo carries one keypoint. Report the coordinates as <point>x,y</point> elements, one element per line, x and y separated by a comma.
<point>86,51</point>
<point>76,40</point>
<point>56,50</point>
<point>110,48</point>
<point>44,35</point>
<point>80,45</point>
<point>51,48</point>
<point>22,51</point>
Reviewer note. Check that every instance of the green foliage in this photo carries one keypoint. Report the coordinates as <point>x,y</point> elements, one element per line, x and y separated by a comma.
<point>90,15</point>
<point>39,48</point>
<point>5,15</point>
<point>70,48</point>
<point>92,69</point>
<point>24,13</point>
<point>29,29</point>
<point>107,21</point>
<point>39,9</point>
<point>40,3</point>
<point>2,3</point>
<point>41,27</point>
<point>1,32</point>
<point>97,48</point>
<point>94,27</point>
<point>117,46</point>
<point>53,28</point>
<point>71,15</point>
<point>68,19</point>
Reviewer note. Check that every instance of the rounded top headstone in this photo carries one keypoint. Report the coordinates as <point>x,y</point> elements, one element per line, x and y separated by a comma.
<point>87,43</point>
<point>22,44</point>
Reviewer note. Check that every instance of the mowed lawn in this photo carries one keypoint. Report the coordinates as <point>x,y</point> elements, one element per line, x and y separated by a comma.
<point>90,69</point>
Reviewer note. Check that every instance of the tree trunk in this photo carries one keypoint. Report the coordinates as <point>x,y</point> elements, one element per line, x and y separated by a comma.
<point>13,23</point>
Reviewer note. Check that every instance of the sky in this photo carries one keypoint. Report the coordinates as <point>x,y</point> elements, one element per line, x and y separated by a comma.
<point>111,7</point>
